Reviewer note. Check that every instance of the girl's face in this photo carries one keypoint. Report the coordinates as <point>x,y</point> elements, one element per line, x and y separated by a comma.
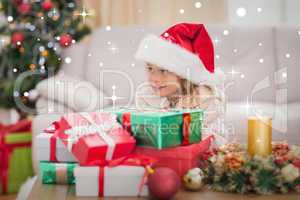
<point>163,82</point>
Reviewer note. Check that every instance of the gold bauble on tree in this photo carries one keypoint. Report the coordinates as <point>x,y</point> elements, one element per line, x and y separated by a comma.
<point>45,53</point>
<point>32,66</point>
<point>67,23</point>
<point>55,17</point>
<point>40,14</point>
<point>21,50</point>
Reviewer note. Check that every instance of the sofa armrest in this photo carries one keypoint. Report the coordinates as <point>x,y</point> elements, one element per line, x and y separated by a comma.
<point>48,106</point>
<point>75,93</point>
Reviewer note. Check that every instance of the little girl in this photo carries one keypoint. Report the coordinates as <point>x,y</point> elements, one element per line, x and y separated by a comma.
<point>181,74</point>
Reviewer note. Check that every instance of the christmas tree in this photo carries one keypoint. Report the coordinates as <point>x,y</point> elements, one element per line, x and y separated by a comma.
<point>33,34</point>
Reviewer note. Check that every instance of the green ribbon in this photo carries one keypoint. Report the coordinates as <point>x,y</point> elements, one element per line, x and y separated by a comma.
<point>57,173</point>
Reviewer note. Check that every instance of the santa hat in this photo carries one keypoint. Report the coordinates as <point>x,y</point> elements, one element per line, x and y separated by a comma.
<point>184,49</point>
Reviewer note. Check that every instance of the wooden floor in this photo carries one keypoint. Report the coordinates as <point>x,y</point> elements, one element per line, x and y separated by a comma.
<point>63,192</point>
<point>8,197</point>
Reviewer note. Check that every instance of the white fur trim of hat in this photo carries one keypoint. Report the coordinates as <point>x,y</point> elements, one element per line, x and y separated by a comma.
<point>176,59</point>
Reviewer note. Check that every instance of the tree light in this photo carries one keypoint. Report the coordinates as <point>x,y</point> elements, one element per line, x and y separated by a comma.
<point>259,10</point>
<point>241,12</point>
<point>10,19</point>
<point>261,60</point>
<point>68,60</point>
<point>198,4</point>
<point>225,32</point>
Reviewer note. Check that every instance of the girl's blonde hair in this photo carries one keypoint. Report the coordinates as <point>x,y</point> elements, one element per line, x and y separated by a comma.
<point>188,89</point>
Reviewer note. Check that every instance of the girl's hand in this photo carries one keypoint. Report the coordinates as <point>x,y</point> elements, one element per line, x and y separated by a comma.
<point>188,102</point>
<point>192,101</point>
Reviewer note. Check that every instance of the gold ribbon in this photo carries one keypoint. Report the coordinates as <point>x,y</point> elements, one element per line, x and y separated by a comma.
<point>61,173</point>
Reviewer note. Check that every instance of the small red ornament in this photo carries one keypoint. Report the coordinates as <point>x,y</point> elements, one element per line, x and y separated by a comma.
<point>17,37</point>
<point>47,5</point>
<point>65,40</point>
<point>296,163</point>
<point>164,183</point>
<point>281,160</point>
<point>24,8</point>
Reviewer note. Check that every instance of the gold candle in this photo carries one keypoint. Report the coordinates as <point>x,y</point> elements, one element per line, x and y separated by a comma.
<point>259,136</point>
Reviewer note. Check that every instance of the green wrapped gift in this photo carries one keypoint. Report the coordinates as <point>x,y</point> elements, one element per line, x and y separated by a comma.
<point>162,128</point>
<point>15,156</point>
<point>57,173</point>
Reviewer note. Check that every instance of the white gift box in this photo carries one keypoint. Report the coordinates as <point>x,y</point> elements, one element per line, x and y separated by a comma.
<point>43,149</point>
<point>121,181</point>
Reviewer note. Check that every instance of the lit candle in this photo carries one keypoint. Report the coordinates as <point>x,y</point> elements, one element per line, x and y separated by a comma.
<point>259,136</point>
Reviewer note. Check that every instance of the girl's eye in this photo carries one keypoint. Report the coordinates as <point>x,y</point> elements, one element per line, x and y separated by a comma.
<point>149,69</point>
<point>163,71</point>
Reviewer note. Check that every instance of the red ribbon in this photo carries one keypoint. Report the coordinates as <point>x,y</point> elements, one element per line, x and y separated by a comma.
<point>53,141</point>
<point>186,128</point>
<point>7,149</point>
<point>126,121</point>
<point>53,130</point>
<point>101,182</point>
<point>131,160</point>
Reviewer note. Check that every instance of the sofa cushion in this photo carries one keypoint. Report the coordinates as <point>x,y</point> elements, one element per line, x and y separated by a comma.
<point>247,55</point>
<point>293,122</point>
<point>288,48</point>
<point>48,106</point>
<point>285,119</point>
<point>75,93</point>
<point>112,54</point>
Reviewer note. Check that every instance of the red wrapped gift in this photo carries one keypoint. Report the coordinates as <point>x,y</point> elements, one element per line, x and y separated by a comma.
<point>180,159</point>
<point>94,138</point>
<point>123,177</point>
<point>50,147</point>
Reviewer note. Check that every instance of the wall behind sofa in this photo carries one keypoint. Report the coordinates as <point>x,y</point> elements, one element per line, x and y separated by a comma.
<point>157,12</point>
<point>166,12</point>
<point>264,12</point>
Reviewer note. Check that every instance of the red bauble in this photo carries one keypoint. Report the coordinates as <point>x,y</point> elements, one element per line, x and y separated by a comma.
<point>17,37</point>
<point>164,183</point>
<point>296,163</point>
<point>24,8</point>
<point>65,40</point>
<point>47,5</point>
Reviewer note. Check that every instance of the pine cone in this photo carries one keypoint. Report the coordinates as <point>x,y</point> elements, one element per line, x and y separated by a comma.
<point>234,161</point>
<point>230,148</point>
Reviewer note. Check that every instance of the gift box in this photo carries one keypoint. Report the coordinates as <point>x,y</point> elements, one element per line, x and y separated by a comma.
<point>181,158</point>
<point>119,178</point>
<point>57,173</point>
<point>162,128</point>
<point>94,138</point>
<point>50,148</point>
<point>15,154</point>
